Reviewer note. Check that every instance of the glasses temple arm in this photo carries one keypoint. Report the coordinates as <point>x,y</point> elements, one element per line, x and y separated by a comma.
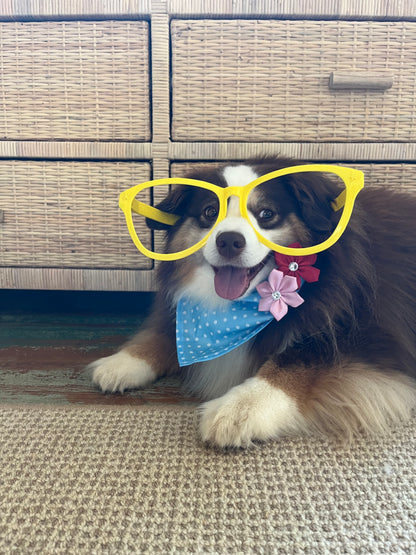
<point>339,202</point>
<point>153,213</point>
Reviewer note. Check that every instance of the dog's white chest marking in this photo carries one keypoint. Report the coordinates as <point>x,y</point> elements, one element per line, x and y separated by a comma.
<point>215,377</point>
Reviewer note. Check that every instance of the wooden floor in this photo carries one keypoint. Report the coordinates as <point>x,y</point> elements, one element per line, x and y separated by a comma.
<point>44,354</point>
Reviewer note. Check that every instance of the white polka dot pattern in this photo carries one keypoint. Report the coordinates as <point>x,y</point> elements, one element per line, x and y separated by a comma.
<point>203,334</point>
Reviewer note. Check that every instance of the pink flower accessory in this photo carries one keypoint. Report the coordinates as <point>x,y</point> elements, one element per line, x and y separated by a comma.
<point>278,293</point>
<point>301,267</point>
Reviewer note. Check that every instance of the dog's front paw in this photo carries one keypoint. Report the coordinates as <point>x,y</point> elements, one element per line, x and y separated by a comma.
<point>121,371</point>
<point>254,410</point>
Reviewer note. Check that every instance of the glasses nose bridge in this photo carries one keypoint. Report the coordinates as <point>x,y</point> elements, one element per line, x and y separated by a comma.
<point>235,191</point>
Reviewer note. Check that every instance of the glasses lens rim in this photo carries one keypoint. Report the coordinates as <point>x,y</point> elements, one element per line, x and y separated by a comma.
<point>151,186</point>
<point>338,204</point>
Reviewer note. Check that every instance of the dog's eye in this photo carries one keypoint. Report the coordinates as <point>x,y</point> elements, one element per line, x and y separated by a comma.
<point>210,213</point>
<point>266,214</point>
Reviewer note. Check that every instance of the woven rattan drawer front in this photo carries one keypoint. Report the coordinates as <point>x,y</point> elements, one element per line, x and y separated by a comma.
<point>401,177</point>
<point>245,80</point>
<point>70,80</point>
<point>66,215</point>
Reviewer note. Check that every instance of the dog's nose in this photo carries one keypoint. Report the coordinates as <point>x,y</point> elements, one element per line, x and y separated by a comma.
<point>230,244</point>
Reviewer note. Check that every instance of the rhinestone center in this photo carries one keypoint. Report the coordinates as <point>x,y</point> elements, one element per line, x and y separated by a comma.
<point>276,295</point>
<point>293,266</point>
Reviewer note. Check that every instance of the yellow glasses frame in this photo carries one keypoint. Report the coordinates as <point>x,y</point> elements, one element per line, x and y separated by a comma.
<point>352,178</point>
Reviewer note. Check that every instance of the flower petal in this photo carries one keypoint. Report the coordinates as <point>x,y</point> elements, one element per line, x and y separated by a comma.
<point>288,284</point>
<point>265,304</point>
<point>299,281</point>
<point>275,279</point>
<point>283,266</point>
<point>264,289</point>
<point>282,260</point>
<point>279,309</point>
<point>307,260</point>
<point>293,299</point>
<point>309,273</point>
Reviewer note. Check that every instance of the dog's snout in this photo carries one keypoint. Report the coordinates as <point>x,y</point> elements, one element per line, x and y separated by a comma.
<point>230,244</point>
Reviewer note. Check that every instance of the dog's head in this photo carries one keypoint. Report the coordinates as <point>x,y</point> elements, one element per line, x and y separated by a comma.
<point>296,208</point>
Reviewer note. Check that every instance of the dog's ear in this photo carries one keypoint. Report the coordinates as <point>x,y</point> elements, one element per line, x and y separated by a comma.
<point>314,196</point>
<point>174,203</point>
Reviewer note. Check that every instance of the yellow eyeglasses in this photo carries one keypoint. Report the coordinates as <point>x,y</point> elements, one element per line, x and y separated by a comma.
<point>137,204</point>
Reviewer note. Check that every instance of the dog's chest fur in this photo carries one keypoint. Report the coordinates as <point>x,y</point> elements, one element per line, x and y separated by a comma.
<point>215,377</point>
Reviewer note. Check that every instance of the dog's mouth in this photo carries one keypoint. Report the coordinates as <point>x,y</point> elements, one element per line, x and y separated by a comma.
<point>232,282</point>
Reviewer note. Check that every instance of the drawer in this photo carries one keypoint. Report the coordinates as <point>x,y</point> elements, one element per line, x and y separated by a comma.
<point>401,177</point>
<point>75,80</point>
<point>66,214</point>
<point>269,80</point>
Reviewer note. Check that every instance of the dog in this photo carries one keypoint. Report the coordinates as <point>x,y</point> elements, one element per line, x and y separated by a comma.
<point>340,364</point>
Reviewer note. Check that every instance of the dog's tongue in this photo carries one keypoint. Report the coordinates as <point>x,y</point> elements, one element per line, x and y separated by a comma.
<point>231,282</point>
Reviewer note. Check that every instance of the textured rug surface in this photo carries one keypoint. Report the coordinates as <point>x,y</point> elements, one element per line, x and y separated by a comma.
<point>138,480</point>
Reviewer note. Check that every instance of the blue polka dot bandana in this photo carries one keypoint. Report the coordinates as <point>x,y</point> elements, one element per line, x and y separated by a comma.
<point>203,334</point>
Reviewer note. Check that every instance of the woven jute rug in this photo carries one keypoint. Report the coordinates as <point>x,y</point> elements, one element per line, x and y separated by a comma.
<point>138,480</point>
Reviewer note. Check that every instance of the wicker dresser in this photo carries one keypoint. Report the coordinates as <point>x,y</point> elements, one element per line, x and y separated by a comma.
<point>98,96</point>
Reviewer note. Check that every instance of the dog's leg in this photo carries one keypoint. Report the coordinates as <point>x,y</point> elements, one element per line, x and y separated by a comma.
<point>255,410</point>
<point>344,401</point>
<point>140,362</point>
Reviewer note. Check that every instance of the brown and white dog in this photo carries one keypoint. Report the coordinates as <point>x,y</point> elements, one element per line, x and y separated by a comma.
<point>343,363</point>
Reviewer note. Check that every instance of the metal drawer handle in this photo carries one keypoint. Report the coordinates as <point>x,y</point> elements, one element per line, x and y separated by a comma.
<point>359,80</point>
